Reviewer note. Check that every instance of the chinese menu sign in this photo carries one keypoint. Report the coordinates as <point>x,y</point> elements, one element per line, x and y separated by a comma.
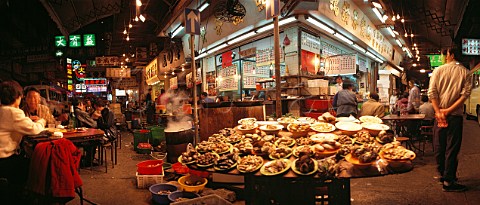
<point>107,61</point>
<point>470,46</point>
<point>118,73</point>
<point>340,65</point>
<point>88,40</point>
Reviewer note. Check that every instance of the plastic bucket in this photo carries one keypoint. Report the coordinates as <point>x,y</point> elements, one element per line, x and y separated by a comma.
<point>150,167</point>
<point>140,136</point>
<point>157,135</point>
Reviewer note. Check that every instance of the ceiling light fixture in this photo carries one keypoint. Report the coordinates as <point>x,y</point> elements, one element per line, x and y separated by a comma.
<point>359,48</point>
<point>418,52</point>
<point>128,38</point>
<point>242,37</point>
<point>379,16</point>
<point>173,72</point>
<point>403,20</point>
<point>123,55</point>
<point>130,25</point>
<point>183,69</point>
<point>217,48</point>
<point>394,18</point>
<point>127,59</point>
<point>343,38</point>
<point>385,17</point>
<point>377,5</point>
<point>280,23</point>
<point>398,16</point>
<point>136,18</point>
<point>399,43</point>
<point>321,25</point>
<point>411,35</point>
<point>203,6</point>
<point>142,18</point>
<point>390,30</point>
<point>414,65</point>
<point>177,30</point>
<point>406,35</point>
<point>415,45</point>
<point>139,3</point>
<point>422,70</point>
<point>125,31</point>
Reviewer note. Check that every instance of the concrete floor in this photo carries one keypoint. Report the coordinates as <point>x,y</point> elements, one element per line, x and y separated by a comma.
<point>118,186</point>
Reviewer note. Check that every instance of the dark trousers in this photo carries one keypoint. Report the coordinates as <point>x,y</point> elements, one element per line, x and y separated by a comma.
<point>447,142</point>
<point>13,177</point>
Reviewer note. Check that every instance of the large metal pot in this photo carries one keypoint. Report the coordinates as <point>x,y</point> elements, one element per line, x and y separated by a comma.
<point>177,141</point>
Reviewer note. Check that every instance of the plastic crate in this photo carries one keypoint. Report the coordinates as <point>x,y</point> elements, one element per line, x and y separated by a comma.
<point>209,199</point>
<point>145,181</point>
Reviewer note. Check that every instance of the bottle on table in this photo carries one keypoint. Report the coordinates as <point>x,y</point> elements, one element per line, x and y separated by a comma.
<point>72,120</point>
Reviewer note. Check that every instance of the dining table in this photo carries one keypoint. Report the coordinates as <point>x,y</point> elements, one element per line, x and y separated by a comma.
<point>91,136</point>
<point>401,123</point>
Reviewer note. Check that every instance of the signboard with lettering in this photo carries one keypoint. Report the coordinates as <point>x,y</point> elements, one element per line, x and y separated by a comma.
<point>248,52</point>
<point>126,83</point>
<point>69,75</point>
<point>340,65</point>
<point>60,41</point>
<point>436,60</point>
<point>173,83</point>
<point>118,72</point>
<point>470,46</point>
<point>107,61</point>
<point>89,40</point>
<point>74,41</point>
<point>95,81</point>
<point>96,88</point>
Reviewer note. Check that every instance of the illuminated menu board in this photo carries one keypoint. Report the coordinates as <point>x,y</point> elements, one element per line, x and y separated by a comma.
<point>470,46</point>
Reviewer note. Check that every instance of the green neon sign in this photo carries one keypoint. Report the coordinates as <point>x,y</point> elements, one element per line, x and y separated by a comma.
<point>88,39</point>
<point>74,41</point>
<point>436,60</point>
<point>60,41</point>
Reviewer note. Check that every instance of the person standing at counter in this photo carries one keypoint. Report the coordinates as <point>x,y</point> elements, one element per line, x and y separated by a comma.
<point>13,126</point>
<point>346,101</point>
<point>204,98</point>
<point>339,84</point>
<point>33,107</point>
<point>413,97</point>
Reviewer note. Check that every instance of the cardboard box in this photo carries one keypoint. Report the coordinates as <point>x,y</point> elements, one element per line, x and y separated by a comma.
<point>315,91</point>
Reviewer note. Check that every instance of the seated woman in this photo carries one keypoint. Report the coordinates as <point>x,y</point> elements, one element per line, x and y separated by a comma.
<point>13,126</point>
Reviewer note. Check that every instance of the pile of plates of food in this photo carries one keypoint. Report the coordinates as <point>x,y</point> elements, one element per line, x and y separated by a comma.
<point>327,117</point>
<point>286,120</point>
<point>362,156</point>
<point>281,152</point>
<point>370,119</point>
<point>226,162</point>
<point>374,128</point>
<point>299,129</point>
<point>348,128</point>
<point>249,163</point>
<point>190,156</point>
<point>323,127</point>
<point>363,137</point>
<point>271,129</point>
<point>305,165</point>
<point>275,167</point>
<point>395,152</point>
<point>207,159</point>
<point>307,120</point>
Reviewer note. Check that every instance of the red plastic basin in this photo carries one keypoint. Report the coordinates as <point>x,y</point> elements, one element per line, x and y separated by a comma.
<point>150,167</point>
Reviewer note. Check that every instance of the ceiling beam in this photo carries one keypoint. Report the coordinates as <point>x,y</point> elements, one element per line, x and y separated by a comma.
<point>54,16</point>
<point>168,20</point>
<point>75,11</point>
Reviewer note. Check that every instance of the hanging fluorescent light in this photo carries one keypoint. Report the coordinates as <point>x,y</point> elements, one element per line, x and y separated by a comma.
<point>343,38</point>
<point>398,42</point>
<point>390,30</point>
<point>409,54</point>
<point>377,5</point>
<point>142,18</point>
<point>265,28</point>
<point>359,48</point>
<point>241,37</point>
<point>280,23</point>
<point>385,17</point>
<point>321,25</point>
<point>371,55</point>
<point>201,55</point>
<point>287,20</point>
<point>203,6</point>
<point>404,49</point>
<point>139,3</point>
<point>213,50</point>
<point>379,16</point>
<point>176,31</point>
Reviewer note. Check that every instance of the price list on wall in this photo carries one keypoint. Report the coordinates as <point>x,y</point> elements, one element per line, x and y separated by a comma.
<point>228,77</point>
<point>342,64</point>
<point>470,46</point>
<point>251,74</point>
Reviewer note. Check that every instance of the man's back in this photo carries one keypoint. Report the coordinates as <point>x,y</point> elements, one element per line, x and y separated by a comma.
<point>448,83</point>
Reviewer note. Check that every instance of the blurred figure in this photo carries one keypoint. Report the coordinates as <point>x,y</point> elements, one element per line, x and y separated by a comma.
<point>393,100</point>
<point>413,97</point>
<point>402,104</point>
<point>372,107</point>
<point>83,118</point>
<point>204,98</point>
<point>13,126</point>
<point>427,109</point>
<point>346,101</point>
<point>339,84</point>
<point>33,107</point>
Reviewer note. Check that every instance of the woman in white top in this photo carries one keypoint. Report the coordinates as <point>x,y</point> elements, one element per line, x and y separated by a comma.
<point>13,126</point>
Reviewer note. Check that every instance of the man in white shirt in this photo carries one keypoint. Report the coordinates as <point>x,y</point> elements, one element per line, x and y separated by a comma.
<point>339,84</point>
<point>413,96</point>
<point>450,86</point>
